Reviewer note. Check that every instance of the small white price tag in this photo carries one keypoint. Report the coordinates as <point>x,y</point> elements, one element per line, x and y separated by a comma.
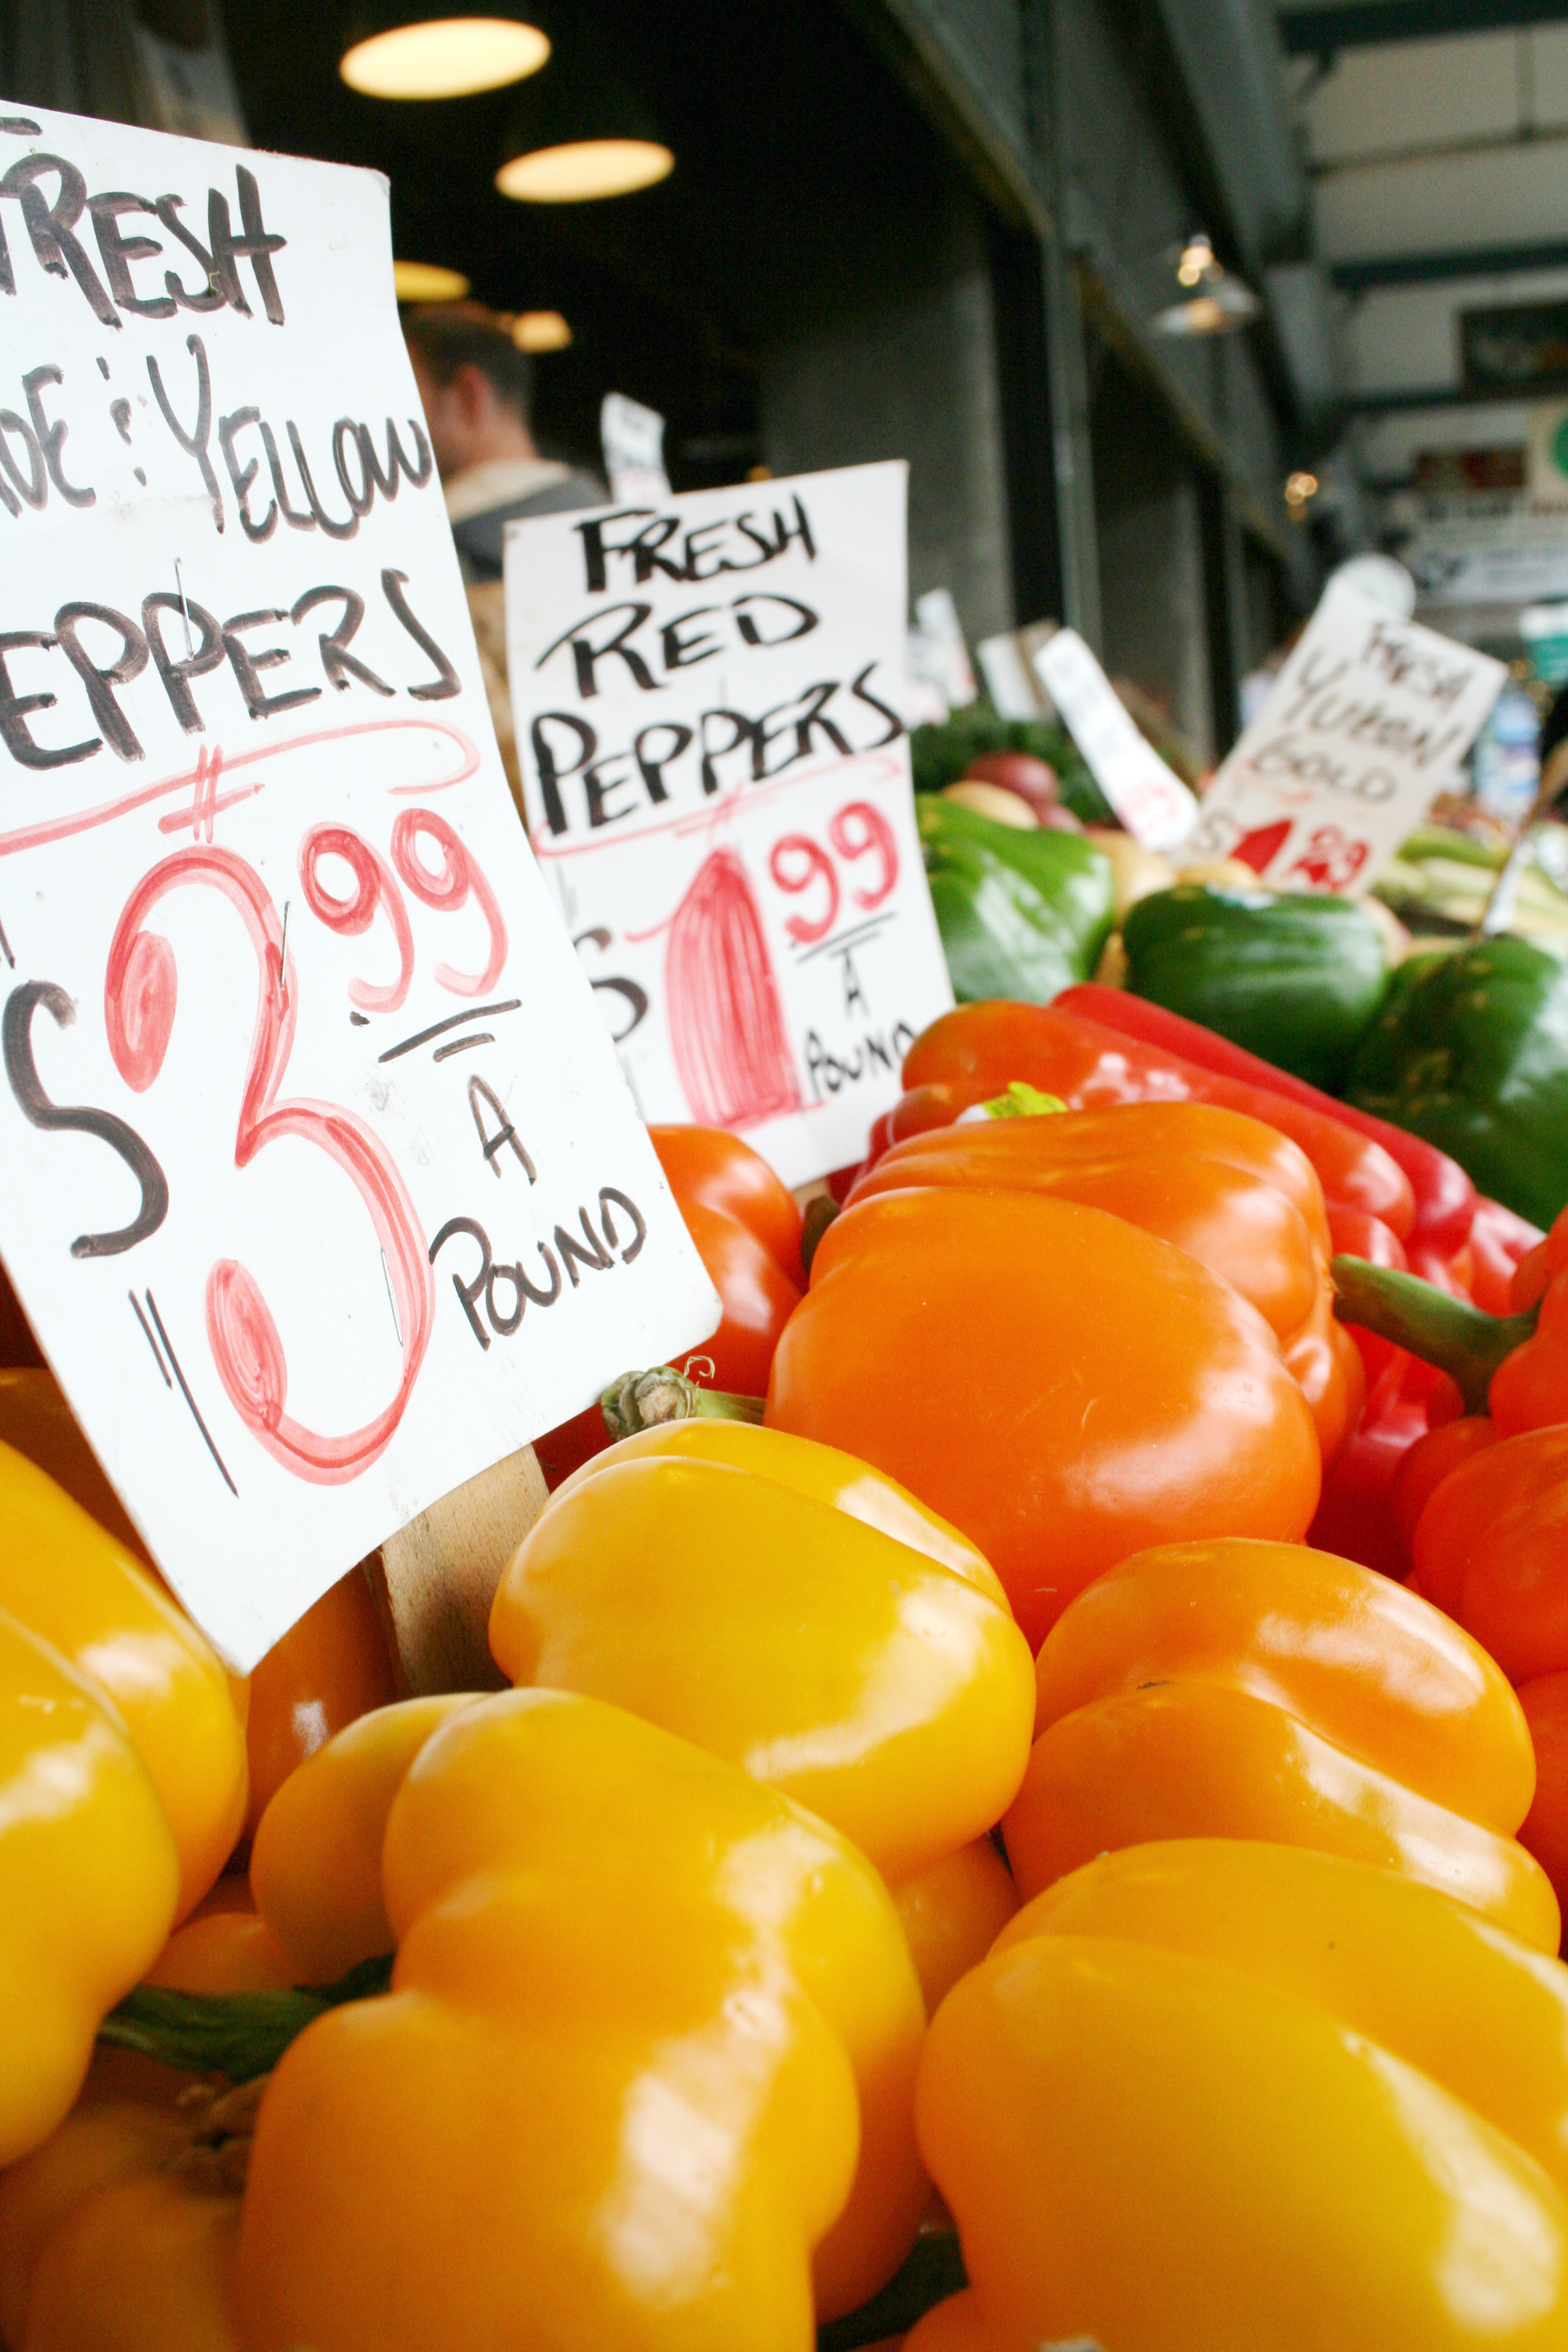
<point>1150,800</point>
<point>1366,722</point>
<point>322,1188</point>
<point>707,692</point>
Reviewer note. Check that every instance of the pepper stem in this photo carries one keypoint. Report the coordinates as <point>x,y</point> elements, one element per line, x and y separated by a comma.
<point>643,1400</point>
<point>1448,1332</point>
<point>236,2035</point>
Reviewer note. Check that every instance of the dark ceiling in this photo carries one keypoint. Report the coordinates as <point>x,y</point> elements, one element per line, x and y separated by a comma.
<point>780,120</point>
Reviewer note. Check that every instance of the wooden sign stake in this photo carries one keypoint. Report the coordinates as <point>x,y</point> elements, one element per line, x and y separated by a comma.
<point>435,1580</point>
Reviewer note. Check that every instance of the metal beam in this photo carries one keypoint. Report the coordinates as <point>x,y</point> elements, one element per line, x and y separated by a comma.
<point>1355,276</point>
<point>1447,395</point>
<point>1357,24</point>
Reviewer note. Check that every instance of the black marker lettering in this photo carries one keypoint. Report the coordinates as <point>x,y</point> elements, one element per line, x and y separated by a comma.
<point>363,499</point>
<point>176,675</point>
<point>598,786</point>
<point>332,530</point>
<point>50,226</point>
<point>862,693</point>
<point>242,476</point>
<point>118,251</point>
<point>35,489</point>
<point>51,437</point>
<point>574,1255</point>
<point>607,1193</point>
<point>22,1070</point>
<point>396,463</point>
<point>340,664</point>
<point>806,620</point>
<point>295,520</point>
<point>585,654</point>
<point>101,679</point>
<point>653,769</point>
<point>247,667</point>
<point>684,652</point>
<point>468,1291</point>
<point>550,768</point>
<point>435,689</point>
<point>211,297</point>
<point>743,732</point>
<point>253,245</point>
<point>15,707</point>
<point>195,443</point>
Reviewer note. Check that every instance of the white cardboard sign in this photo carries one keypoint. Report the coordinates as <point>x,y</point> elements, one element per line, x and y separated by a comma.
<point>706,693</point>
<point>1150,798</point>
<point>1365,723</point>
<point>322,1189</point>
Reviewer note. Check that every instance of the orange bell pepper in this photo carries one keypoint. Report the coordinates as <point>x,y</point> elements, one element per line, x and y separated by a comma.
<point>334,1664</point>
<point>1063,1388</point>
<point>612,2097</point>
<point>1247,2098</point>
<point>1491,1549</point>
<point>1254,1690</point>
<point>953,1914</point>
<point>1544,1830</point>
<point>783,1606</point>
<point>977,1050</point>
<point>747,1230</point>
<point>1235,1194</point>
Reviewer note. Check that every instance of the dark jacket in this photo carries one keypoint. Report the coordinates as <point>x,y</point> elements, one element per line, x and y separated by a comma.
<point>480,537</point>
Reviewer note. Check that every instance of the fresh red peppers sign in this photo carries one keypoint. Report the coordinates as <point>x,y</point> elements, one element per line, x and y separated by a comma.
<point>322,1188</point>
<point>707,694</point>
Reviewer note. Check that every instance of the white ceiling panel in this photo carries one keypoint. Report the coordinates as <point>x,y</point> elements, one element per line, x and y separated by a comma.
<point>1415,94</point>
<point>1549,65</point>
<point>1511,196</point>
<point>1405,338</point>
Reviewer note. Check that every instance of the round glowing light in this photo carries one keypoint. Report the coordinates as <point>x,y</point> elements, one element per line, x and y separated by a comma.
<point>587,168</point>
<point>425,282</point>
<point>450,57</point>
<point>1301,488</point>
<point>541,331</point>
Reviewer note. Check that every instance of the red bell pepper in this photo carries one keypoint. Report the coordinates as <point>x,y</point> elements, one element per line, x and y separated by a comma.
<point>1445,1196</point>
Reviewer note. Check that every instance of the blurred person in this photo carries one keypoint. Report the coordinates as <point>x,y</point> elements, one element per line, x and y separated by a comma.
<point>476,388</point>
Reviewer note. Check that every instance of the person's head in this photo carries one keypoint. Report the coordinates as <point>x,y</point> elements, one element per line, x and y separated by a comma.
<point>474,382</point>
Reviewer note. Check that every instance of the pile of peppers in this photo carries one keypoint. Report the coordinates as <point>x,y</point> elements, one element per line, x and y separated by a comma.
<point>954,1863</point>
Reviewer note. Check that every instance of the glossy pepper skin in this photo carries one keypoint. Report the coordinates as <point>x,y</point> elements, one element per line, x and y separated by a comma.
<point>1233,1194</point>
<point>1235,2096</point>
<point>1544,1829</point>
<point>979,1049</point>
<point>747,1229</point>
<point>1292,976</point>
<point>1444,1196</point>
<point>783,1606</point>
<point>1021,913</point>
<point>611,2098</point>
<point>118,2235</point>
<point>1492,1550</point>
<point>1471,1051</point>
<point>89,1879</point>
<point>69,1580</point>
<point>1249,1690</point>
<point>334,1664</point>
<point>1062,1387</point>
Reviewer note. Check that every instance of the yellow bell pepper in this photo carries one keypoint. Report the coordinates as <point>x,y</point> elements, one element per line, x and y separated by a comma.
<point>1254,1690</point>
<point>1251,2097</point>
<point>89,1879</point>
<point>118,2235</point>
<point>69,1579</point>
<point>315,1861</point>
<point>784,1606</point>
<point>647,2015</point>
<point>953,1914</point>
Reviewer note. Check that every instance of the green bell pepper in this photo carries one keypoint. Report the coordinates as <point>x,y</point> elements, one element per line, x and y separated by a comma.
<point>1290,975</point>
<point>1021,914</point>
<point>1470,1050</point>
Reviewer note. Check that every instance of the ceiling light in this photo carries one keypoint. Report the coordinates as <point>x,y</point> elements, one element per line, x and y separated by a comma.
<point>1300,489</point>
<point>449,57</point>
<point>584,169</point>
<point>1197,261</point>
<point>425,281</point>
<point>541,331</point>
<point>1224,304</point>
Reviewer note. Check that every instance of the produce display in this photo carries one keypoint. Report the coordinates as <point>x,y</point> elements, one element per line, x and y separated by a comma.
<point>1023,1796</point>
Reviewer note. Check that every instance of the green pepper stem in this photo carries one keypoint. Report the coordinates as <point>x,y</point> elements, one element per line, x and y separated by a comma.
<point>236,2035</point>
<point>643,1400</point>
<point>1448,1332</point>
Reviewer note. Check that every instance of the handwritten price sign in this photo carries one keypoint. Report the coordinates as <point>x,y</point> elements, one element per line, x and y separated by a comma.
<point>718,788</point>
<point>323,1189</point>
<point>1364,725</point>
